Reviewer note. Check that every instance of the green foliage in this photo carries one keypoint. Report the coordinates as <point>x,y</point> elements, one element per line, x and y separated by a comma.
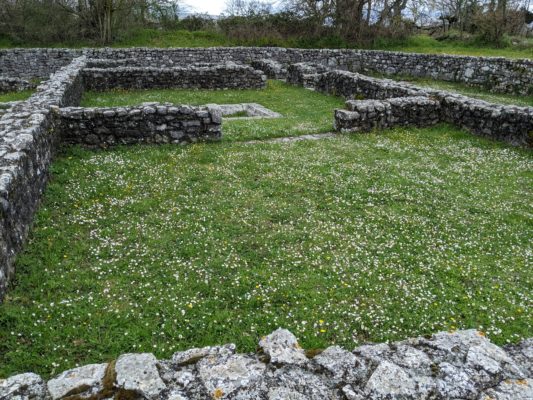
<point>172,38</point>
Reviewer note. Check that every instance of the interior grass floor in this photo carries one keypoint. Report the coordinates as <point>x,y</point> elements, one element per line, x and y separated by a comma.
<point>303,111</point>
<point>15,96</point>
<point>368,237</point>
<point>475,92</point>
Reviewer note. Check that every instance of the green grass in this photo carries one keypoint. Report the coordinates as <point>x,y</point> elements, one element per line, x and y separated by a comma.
<point>304,111</point>
<point>14,96</point>
<point>427,44</point>
<point>357,238</point>
<point>183,38</point>
<point>475,92</point>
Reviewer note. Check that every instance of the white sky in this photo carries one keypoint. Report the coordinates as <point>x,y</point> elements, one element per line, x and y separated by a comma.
<point>213,7</point>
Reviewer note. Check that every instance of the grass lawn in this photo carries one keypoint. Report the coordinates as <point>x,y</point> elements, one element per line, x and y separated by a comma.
<point>475,92</point>
<point>427,44</point>
<point>303,111</point>
<point>357,238</point>
<point>14,96</point>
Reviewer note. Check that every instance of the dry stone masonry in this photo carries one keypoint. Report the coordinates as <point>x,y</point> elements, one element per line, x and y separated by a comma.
<point>148,123</point>
<point>224,76</point>
<point>367,115</point>
<point>9,84</point>
<point>27,143</point>
<point>31,130</point>
<point>461,365</point>
<point>494,73</point>
<point>507,123</point>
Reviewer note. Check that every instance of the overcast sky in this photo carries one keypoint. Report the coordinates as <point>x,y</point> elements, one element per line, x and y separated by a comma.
<point>213,7</point>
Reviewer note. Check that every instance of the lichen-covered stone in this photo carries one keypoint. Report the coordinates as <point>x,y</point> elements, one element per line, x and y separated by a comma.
<point>147,123</point>
<point>138,373</point>
<point>390,381</point>
<point>519,389</point>
<point>192,356</point>
<point>26,386</point>
<point>222,376</point>
<point>227,75</point>
<point>522,355</point>
<point>461,365</point>
<point>281,347</point>
<point>84,382</point>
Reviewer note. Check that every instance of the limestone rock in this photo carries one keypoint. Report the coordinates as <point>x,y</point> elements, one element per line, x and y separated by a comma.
<point>389,381</point>
<point>83,382</point>
<point>294,380</point>
<point>522,355</point>
<point>26,386</point>
<point>193,355</point>
<point>282,347</point>
<point>521,389</point>
<point>342,365</point>
<point>223,376</point>
<point>138,373</point>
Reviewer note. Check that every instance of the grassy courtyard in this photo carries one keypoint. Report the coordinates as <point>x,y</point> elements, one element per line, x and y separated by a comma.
<point>304,111</point>
<point>15,96</point>
<point>364,237</point>
<point>475,92</point>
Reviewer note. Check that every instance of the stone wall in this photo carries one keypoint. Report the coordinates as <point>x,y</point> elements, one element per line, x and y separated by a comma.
<point>508,123</point>
<point>461,365</point>
<point>366,115</point>
<point>356,86</point>
<point>27,143</point>
<point>271,68</point>
<point>511,124</point>
<point>497,74</point>
<point>8,84</point>
<point>148,123</point>
<point>223,76</point>
<point>34,63</point>
<point>305,74</point>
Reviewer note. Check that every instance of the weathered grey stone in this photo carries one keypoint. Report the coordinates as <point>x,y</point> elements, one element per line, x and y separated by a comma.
<point>342,365</point>
<point>462,365</point>
<point>391,382</point>
<point>139,124</point>
<point>84,382</point>
<point>226,75</point>
<point>27,386</point>
<point>521,389</point>
<point>454,382</point>
<point>194,355</point>
<point>225,375</point>
<point>399,103</point>
<point>291,379</point>
<point>522,355</point>
<point>285,394</point>
<point>281,347</point>
<point>138,373</point>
